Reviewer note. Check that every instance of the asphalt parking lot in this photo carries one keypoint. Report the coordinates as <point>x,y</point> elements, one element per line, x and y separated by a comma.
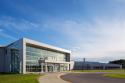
<point>90,78</point>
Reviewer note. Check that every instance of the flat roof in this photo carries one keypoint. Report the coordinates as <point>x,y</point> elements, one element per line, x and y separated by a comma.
<point>51,47</point>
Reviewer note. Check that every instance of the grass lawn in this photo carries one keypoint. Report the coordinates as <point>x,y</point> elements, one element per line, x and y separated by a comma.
<point>115,75</point>
<point>118,71</point>
<point>19,78</point>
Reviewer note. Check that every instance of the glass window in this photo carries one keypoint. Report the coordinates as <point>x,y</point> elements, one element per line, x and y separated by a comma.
<point>34,54</point>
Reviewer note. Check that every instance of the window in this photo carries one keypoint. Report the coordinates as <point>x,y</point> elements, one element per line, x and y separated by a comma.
<point>34,54</point>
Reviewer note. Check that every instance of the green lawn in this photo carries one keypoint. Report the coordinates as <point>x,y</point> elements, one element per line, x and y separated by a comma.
<point>19,78</point>
<point>118,71</point>
<point>115,75</point>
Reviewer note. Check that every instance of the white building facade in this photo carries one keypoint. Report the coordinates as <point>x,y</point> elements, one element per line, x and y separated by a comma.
<point>26,55</point>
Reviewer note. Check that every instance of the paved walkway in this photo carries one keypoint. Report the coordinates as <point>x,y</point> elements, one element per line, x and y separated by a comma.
<point>52,78</point>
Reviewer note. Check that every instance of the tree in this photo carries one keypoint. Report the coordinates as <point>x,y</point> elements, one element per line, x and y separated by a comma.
<point>120,62</point>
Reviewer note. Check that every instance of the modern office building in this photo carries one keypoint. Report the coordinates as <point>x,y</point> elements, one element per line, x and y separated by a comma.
<point>26,55</point>
<point>81,65</point>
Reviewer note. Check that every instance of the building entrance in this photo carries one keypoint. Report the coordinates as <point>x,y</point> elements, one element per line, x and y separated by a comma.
<point>50,68</point>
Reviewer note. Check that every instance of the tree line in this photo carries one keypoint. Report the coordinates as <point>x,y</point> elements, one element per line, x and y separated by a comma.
<point>120,62</point>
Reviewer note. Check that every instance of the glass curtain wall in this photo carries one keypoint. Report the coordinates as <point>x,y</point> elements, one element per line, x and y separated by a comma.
<point>34,54</point>
<point>15,61</point>
<point>14,51</point>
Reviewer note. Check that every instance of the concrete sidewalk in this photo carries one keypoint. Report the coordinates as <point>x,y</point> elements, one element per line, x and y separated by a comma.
<point>52,78</point>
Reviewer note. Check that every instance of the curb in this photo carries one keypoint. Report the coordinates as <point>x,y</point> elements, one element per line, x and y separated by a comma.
<point>59,77</point>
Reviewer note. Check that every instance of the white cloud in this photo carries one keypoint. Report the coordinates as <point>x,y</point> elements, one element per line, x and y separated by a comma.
<point>17,24</point>
<point>4,35</point>
<point>101,38</point>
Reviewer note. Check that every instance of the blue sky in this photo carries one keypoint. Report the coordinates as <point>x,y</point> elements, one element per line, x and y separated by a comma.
<point>94,29</point>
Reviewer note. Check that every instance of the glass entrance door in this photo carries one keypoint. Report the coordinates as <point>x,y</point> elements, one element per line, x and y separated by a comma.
<point>50,68</point>
<point>56,67</point>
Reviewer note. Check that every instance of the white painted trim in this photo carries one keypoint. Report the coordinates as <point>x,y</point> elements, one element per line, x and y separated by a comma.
<point>45,45</point>
<point>24,57</point>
